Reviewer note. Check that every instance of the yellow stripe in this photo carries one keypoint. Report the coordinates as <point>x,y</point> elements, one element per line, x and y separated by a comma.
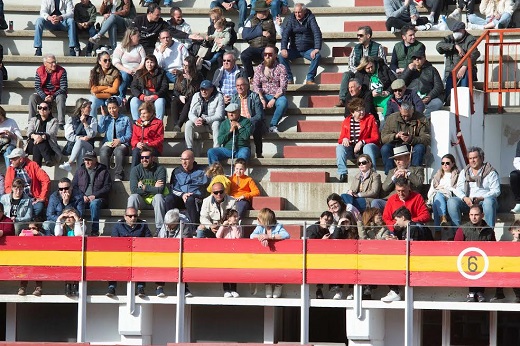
<point>242,260</point>
<point>382,262</point>
<point>108,259</point>
<point>40,258</point>
<point>332,261</point>
<point>155,259</point>
<point>449,264</point>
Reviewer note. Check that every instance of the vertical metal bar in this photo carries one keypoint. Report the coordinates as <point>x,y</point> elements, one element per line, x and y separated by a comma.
<point>10,322</point>
<point>486,74</point>
<point>304,292</point>
<point>493,324</point>
<point>446,327</point>
<point>82,298</point>
<point>501,85</point>
<point>408,310</point>
<point>181,300</point>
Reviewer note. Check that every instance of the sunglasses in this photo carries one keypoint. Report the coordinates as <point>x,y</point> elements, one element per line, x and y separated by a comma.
<point>397,90</point>
<point>33,227</point>
<point>219,192</point>
<point>145,157</point>
<point>43,108</point>
<point>362,163</point>
<point>360,35</point>
<point>445,163</point>
<point>227,60</point>
<point>63,188</point>
<point>268,54</point>
<point>106,60</point>
<point>87,160</point>
<point>131,216</point>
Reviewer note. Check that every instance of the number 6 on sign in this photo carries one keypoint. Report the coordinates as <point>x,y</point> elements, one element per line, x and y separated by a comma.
<point>470,268</point>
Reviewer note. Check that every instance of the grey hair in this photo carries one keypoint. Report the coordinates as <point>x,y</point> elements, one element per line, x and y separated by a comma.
<point>172,216</point>
<point>407,106</point>
<point>48,56</point>
<point>354,80</point>
<point>300,5</point>
<point>477,150</point>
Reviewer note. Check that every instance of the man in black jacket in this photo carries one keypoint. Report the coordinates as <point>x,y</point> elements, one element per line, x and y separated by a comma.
<point>358,90</point>
<point>93,180</point>
<point>301,38</point>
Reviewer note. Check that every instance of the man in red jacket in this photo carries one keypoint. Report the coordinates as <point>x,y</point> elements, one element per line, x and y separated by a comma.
<point>404,196</point>
<point>37,182</point>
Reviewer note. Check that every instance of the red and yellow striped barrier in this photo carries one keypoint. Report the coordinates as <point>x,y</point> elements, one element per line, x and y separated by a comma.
<point>448,264</point>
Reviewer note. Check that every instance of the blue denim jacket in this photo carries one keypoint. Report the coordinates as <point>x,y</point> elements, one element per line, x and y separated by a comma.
<point>123,128</point>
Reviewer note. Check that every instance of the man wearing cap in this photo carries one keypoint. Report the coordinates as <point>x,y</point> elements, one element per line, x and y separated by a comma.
<point>206,113</point>
<point>233,137</point>
<point>92,179</point>
<point>406,127</point>
<point>36,181</point>
<point>270,83</point>
<point>425,80</point>
<point>226,76</point>
<point>403,50</point>
<point>301,38</point>
<point>454,47</point>
<point>402,94</point>
<point>147,185</point>
<point>252,109</point>
<point>365,47</point>
<point>258,31</point>
<point>64,197</point>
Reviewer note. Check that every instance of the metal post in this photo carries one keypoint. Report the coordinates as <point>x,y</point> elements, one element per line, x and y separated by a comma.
<point>179,313</point>
<point>408,310</point>
<point>304,292</point>
<point>82,298</point>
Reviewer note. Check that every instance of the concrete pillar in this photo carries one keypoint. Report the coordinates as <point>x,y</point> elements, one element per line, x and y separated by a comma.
<point>368,329</point>
<point>10,325</point>
<point>136,327</point>
<point>269,324</point>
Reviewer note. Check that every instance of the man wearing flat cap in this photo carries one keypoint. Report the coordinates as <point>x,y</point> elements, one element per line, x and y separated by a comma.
<point>400,94</point>
<point>425,81</point>
<point>233,137</point>
<point>454,47</point>
<point>92,179</point>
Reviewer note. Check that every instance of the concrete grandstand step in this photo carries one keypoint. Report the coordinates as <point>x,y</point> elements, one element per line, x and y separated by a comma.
<point>323,101</point>
<point>319,126</point>
<point>376,25</point>
<point>300,177</point>
<point>273,203</point>
<point>363,3</point>
<point>309,151</point>
<point>331,77</point>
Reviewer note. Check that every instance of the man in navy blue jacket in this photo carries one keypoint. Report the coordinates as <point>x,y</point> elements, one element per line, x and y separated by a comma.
<point>301,37</point>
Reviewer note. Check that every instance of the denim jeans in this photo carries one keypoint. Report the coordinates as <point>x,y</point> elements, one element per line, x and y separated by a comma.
<point>78,150</point>
<point>39,209</point>
<point>95,207</point>
<point>6,154</point>
<point>67,25</point>
<point>221,153</point>
<point>434,105</point>
<point>113,25</point>
<point>440,208</point>
<point>457,206</point>
<point>96,104</point>
<point>293,53</point>
<point>126,80</point>
<point>280,107</point>
<point>388,150</point>
<point>343,153</point>
<point>359,202</point>
<point>463,82</point>
<point>160,106</point>
<point>171,77</point>
<point>501,23</point>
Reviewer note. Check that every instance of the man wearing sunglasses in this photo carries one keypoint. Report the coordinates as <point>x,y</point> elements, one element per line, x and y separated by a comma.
<point>225,77</point>
<point>148,187</point>
<point>213,209</point>
<point>401,94</point>
<point>64,197</point>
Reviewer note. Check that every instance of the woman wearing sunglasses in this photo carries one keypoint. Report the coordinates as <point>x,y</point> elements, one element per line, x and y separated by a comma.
<point>442,185</point>
<point>104,82</point>
<point>42,138</point>
<point>359,135</point>
<point>366,185</point>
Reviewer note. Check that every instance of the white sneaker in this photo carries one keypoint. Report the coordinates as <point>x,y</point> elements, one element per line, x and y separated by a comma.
<point>277,293</point>
<point>391,297</point>
<point>516,209</point>
<point>431,18</point>
<point>273,129</point>
<point>235,294</point>
<point>350,296</point>
<point>424,27</point>
<point>66,166</point>
<point>269,291</point>
<point>472,26</point>
<point>394,30</point>
<point>228,295</point>
<point>455,15</point>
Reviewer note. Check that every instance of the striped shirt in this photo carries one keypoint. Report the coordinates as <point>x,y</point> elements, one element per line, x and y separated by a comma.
<point>355,129</point>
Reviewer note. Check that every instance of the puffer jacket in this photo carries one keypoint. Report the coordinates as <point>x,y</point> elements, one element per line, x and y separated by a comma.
<point>426,81</point>
<point>409,96</point>
<point>215,107</point>
<point>302,36</point>
<point>447,47</point>
<point>111,79</point>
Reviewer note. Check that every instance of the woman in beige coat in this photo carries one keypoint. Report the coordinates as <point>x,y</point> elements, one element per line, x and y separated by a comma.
<point>365,186</point>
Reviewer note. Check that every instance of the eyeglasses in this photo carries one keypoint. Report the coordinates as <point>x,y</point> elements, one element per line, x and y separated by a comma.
<point>64,188</point>
<point>131,215</point>
<point>52,62</point>
<point>268,54</point>
<point>145,157</point>
<point>445,163</point>
<point>43,108</point>
<point>106,60</point>
<point>219,192</point>
<point>360,35</point>
<point>362,163</point>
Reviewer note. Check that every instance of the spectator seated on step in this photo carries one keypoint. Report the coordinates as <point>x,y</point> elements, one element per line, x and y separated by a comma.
<point>10,135</point>
<point>375,75</point>
<point>206,113</point>
<point>50,84</point>
<point>243,188</point>
<point>403,12</point>
<point>232,5</point>
<point>178,22</point>
<point>498,15</point>
<point>212,210</point>
<point>93,180</point>
<point>356,90</point>
<point>252,109</point>
<point>104,82</point>
<point>301,38</point>
<point>406,127</point>
<point>42,137</point>
<point>64,197</point>
<point>423,78</point>
<point>225,77</point>
<point>188,184</point>
<point>478,184</point>
<point>233,137</point>
<point>339,208</point>
<point>85,14</point>
<point>365,48</point>
<point>148,187</point>
<point>403,50</point>
<point>147,133</point>
<point>400,95</point>
<point>359,135</point>
<point>117,17</point>
<point>56,18</point>
<point>366,185</point>
<point>18,205</point>
<point>170,55</point>
<point>215,173</point>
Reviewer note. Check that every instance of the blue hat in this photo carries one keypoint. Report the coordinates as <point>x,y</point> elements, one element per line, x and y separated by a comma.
<point>206,84</point>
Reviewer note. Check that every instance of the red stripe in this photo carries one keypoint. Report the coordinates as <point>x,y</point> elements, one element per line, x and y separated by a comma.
<point>40,243</point>
<point>457,280</point>
<point>382,277</point>
<point>155,245</point>
<point>8,273</point>
<point>108,274</point>
<point>288,276</point>
<point>381,247</point>
<point>155,274</point>
<point>451,248</point>
<point>336,246</point>
<point>340,276</point>
<point>109,244</point>
<point>252,246</point>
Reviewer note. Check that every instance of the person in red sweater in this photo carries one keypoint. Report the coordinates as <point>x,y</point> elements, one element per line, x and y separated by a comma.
<point>37,182</point>
<point>359,135</point>
<point>6,224</point>
<point>147,133</point>
<point>404,196</point>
